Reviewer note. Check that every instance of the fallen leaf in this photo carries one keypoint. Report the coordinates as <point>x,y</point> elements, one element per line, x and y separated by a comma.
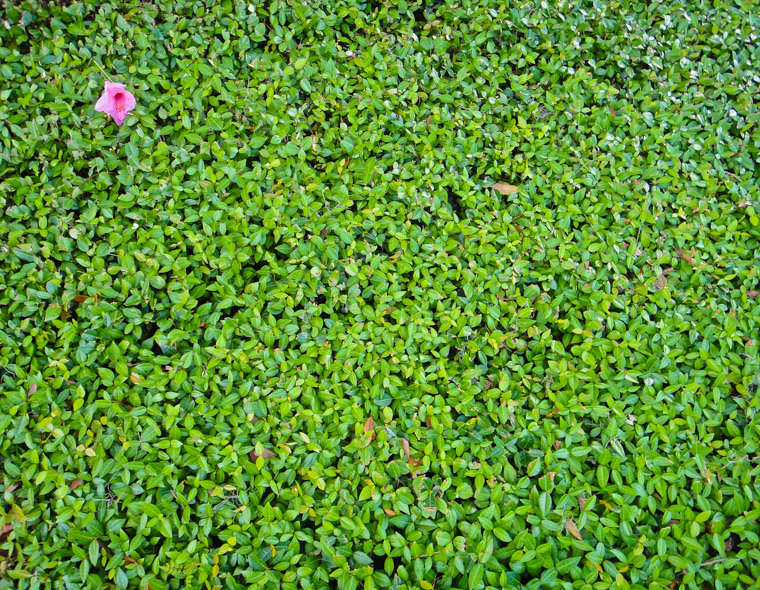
<point>135,378</point>
<point>5,529</point>
<point>267,455</point>
<point>685,255</point>
<point>572,528</point>
<point>389,512</point>
<point>661,282</point>
<point>31,391</point>
<point>612,111</point>
<point>405,446</point>
<point>581,503</point>
<point>753,294</point>
<point>551,475</point>
<point>505,189</point>
<point>557,444</point>
<point>428,423</point>
<point>128,560</point>
<point>76,483</point>
<point>80,298</point>
<point>369,425</point>
<point>597,566</point>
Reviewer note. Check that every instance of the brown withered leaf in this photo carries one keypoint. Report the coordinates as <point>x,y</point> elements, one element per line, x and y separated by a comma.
<point>128,560</point>
<point>135,378</point>
<point>5,529</point>
<point>686,256</point>
<point>572,528</point>
<point>389,512</point>
<point>661,282</point>
<point>581,503</point>
<point>428,423</point>
<point>267,455</point>
<point>31,391</point>
<point>505,189</point>
<point>369,428</point>
<point>76,483</point>
<point>405,446</point>
<point>80,298</point>
<point>753,294</point>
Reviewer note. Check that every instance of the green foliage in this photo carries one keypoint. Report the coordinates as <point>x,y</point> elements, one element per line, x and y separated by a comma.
<point>278,330</point>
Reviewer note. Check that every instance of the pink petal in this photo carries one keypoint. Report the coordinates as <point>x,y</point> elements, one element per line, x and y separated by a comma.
<point>102,103</point>
<point>129,101</point>
<point>114,87</point>
<point>118,116</point>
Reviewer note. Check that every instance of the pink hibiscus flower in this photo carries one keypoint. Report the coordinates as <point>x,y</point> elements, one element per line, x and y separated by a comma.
<point>116,101</point>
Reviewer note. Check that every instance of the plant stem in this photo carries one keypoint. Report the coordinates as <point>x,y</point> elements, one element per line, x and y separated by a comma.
<point>102,70</point>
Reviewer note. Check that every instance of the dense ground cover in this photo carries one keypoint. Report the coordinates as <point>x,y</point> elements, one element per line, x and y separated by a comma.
<point>279,329</point>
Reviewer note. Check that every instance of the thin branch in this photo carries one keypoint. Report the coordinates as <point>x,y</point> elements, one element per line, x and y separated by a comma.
<point>714,561</point>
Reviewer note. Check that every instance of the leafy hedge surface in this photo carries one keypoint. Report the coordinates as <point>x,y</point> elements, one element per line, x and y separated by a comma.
<point>278,330</point>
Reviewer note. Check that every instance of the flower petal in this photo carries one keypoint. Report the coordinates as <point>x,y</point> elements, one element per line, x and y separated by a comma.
<point>129,101</point>
<point>114,88</point>
<point>118,116</point>
<point>102,105</point>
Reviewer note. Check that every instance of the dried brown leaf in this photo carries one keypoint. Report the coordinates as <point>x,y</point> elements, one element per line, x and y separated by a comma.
<point>505,189</point>
<point>389,512</point>
<point>685,255</point>
<point>80,298</point>
<point>5,529</point>
<point>581,503</point>
<point>572,528</point>
<point>369,425</point>
<point>31,391</point>
<point>267,455</point>
<point>128,560</point>
<point>76,483</point>
<point>661,282</point>
<point>753,294</point>
<point>405,446</point>
<point>135,378</point>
